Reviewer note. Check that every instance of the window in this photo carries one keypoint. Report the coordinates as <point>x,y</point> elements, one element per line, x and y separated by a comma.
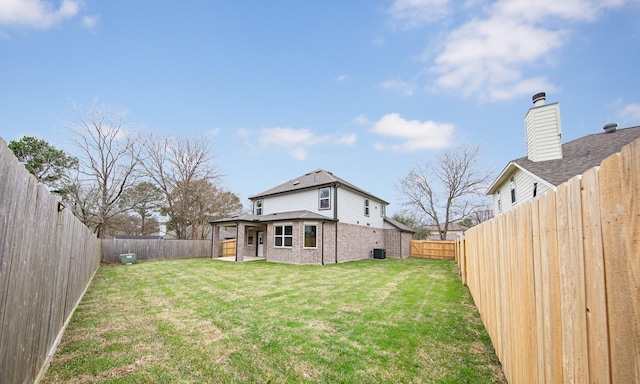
<point>512,186</point>
<point>535,189</point>
<point>250,236</point>
<point>310,234</point>
<point>499,202</point>
<point>366,207</point>
<point>258,207</point>
<point>324,198</point>
<point>283,235</point>
<point>383,210</point>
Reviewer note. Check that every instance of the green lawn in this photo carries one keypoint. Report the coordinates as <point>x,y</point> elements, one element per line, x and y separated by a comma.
<point>209,321</point>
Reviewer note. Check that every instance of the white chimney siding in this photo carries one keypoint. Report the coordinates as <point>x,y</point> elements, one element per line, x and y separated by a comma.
<point>543,132</point>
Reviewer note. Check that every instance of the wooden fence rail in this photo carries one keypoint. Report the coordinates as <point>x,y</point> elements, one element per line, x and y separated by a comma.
<point>431,249</point>
<point>47,260</point>
<point>557,280</point>
<point>154,249</point>
<point>229,247</point>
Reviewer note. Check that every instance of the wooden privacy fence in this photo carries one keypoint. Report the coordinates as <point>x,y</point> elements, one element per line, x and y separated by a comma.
<point>433,249</point>
<point>557,280</point>
<point>47,260</point>
<point>154,249</point>
<point>229,247</point>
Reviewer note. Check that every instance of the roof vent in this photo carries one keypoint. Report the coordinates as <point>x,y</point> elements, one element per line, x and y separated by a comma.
<point>539,98</point>
<point>296,182</point>
<point>611,127</point>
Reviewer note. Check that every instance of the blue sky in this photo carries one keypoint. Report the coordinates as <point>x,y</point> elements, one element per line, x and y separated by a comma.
<point>365,89</point>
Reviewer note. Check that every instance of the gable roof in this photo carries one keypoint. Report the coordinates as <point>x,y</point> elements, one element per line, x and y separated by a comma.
<point>399,225</point>
<point>578,156</point>
<point>314,179</point>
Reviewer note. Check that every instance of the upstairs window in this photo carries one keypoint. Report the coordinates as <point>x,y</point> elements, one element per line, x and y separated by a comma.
<point>383,210</point>
<point>366,207</point>
<point>324,198</point>
<point>499,202</point>
<point>283,236</point>
<point>259,207</point>
<point>512,186</point>
<point>535,189</point>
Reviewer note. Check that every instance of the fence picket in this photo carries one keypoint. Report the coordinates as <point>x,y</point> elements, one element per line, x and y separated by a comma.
<point>557,280</point>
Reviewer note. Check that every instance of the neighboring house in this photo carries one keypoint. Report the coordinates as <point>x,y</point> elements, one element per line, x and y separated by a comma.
<point>454,231</point>
<point>550,163</point>
<point>317,218</point>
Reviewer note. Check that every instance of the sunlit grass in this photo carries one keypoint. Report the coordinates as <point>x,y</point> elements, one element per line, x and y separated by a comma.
<point>208,321</point>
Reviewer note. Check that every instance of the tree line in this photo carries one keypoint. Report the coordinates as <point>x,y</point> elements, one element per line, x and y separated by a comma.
<point>121,180</point>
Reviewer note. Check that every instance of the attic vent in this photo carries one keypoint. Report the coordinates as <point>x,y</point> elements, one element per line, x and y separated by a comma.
<point>296,182</point>
<point>611,127</point>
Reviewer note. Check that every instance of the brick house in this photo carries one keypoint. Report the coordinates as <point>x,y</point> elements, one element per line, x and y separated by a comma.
<point>317,218</point>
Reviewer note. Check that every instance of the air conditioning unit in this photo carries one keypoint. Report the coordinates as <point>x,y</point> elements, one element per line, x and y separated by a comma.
<point>379,253</point>
<point>128,258</point>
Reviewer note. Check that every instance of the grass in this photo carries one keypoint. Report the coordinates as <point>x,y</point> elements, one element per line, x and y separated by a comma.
<point>208,321</point>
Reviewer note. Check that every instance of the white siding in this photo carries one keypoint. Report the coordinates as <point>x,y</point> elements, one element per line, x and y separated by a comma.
<point>307,200</point>
<point>524,190</point>
<point>543,133</point>
<point>351,209</point>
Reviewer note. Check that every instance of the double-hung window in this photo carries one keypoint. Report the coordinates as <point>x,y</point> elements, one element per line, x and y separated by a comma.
<point>310,235</point>
<point>324,198</point>
<point>383,210</point>
<point>250,236</point>
<point>512,186</point>
<point>283,235</point>
<point>366,207</point>
<point>259,207</point>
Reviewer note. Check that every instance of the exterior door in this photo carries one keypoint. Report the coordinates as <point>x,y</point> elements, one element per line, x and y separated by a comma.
<point>260,250</point>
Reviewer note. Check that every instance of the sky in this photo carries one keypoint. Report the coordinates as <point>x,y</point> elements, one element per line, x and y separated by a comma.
<point>366,89</point>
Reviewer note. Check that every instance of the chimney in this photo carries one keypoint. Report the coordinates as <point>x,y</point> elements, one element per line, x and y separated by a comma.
<point>543,130</point>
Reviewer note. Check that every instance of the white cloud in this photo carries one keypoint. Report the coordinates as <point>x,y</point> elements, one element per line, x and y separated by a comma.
<point>630,113</point>
<point>360,120</point>
<point>36,13</point>
<point>405,88</point>
<point>343,78</point>
<point>378,41</point>
<point>413,135</point>
<point>413,13</point>
<point>488,55</point>
<point>297,141</point>
<point>90,22</point>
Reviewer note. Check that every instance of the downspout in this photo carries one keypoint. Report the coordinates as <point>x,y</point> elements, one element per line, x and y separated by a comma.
<point>335,217</point>
<point>237,239</point>
<point>322,251</point>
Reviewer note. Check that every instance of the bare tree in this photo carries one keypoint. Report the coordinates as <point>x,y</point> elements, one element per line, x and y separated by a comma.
<point>176,166</point>
<point>447,190</point>
<point>108,159</point>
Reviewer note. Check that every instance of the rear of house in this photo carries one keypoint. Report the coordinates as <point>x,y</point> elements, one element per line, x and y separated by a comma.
<point>316,218</point>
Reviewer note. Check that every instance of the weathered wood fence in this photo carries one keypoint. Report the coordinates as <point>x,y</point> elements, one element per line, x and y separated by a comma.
<point>557,280</point>
<point>430,249</point>
<point>47,260</point>
<point>229,247</point>
<point>154,249</point>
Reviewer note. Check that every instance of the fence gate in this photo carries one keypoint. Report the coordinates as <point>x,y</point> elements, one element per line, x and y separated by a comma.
<point>429,249</point>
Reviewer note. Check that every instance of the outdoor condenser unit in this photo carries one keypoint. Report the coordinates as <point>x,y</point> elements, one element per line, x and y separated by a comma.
<point>379,253</point>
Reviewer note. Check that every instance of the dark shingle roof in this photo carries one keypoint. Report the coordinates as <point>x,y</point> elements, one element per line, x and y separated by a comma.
<point>314,179</point>
<point>399,225</point>
<point>280,216</point>
<point>580,155</point>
